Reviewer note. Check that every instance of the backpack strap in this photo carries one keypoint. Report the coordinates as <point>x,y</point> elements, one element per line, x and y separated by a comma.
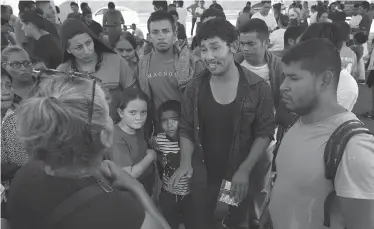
<point>74,201</point>
<point>280,134</point>
<point>333,155</point>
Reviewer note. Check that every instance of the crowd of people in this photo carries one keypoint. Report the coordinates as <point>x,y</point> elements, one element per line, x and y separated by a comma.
<point>106,128</point>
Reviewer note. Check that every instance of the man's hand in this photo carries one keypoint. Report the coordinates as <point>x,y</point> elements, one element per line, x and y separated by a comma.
<point>179,173</point>
<point>240,184</point>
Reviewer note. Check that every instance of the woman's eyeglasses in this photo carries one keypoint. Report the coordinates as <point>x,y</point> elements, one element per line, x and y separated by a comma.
<point>44,73</point>
<point>18,64</point>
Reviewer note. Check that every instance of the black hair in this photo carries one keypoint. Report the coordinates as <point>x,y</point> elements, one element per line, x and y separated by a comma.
<point>121,98</point>
<point>212,12</point>
<point>265,2</point>
<point>365,5</point>
<point>356,5</point>
<point>284,20</point>
<point>86,12</point>
<point>277,6</point>
<point>74,4</point>
<point>360,38</point>
<point>160,4</point>
<point>84,5</point>
<point>249,3</point>
<point>5,73</point>
<point>172,5</point>
<point>256,25</point>
<point>170,105</point>
<point>36,18</point>
<point>4,8</point>
<point>22,5</point>
<point>127,36</point>
<point>324,30</point>
<point>320,12</point>
<point>57,9</point>
<point>314,7</point>
<point>111,5</point>
<point>179,3</point>
<point>247,9</point>
<point>316,55</point>
<point>174,12</point>
<point>344,30</point>
<point>159,16</point>
<point>39,4</point>
<point>217,27</point>
<point>293,33</point>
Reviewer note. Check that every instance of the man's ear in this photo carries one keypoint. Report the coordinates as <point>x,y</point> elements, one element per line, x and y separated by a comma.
<point>234,47</point>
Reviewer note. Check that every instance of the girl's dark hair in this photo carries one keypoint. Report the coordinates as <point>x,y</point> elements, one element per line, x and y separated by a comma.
<point>36,17</point>
<point>5,73</point>
<point>121,98</point>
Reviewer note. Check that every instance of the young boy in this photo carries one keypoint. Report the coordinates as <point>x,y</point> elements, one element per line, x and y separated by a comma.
<point>174,201</point>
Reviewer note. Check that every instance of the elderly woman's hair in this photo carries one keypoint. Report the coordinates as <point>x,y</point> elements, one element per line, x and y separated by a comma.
<point>54,124</point>
<point>10,50</point>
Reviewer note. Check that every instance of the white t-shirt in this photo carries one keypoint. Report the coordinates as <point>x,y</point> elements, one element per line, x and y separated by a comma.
<point>139,33</point>
<point>347,92</point>
<point>261,71</point>
<point>182,15</point>
<point>269,19</point>
<point>313,18</point>
<point>298,196</point>
<point>277,40</point>
<point>355,21</point>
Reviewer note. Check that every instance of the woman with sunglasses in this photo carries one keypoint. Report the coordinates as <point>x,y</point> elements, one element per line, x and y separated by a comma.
<point>47,46</point>
<point>67,129</point>
<point>84,52</point>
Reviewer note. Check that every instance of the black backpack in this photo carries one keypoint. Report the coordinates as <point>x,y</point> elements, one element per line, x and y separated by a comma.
<point>332,156</point>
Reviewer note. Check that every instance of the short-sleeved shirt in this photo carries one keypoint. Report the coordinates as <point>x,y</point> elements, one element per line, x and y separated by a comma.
<point>349,60</point>
<point>170,156</point>
<point>34,194</point>
<point>269,20</point>
<point>128,150</point>
<point>300,190</point>
<point>163,81</point>
<point>113,71</point>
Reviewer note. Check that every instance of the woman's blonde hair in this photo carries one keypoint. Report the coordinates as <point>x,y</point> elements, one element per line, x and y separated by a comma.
<point>54,124</point>
<point>10,50</point>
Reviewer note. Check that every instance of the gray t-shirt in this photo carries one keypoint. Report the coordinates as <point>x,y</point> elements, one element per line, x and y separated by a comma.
<point>163,81</point>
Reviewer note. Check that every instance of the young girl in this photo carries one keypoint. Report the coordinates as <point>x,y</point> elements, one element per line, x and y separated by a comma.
<point>130,150</point>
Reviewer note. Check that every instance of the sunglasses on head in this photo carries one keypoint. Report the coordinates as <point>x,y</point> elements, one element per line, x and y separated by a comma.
<point>47,73</point>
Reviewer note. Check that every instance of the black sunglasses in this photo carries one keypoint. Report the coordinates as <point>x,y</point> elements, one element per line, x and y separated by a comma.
<point>45,73</point>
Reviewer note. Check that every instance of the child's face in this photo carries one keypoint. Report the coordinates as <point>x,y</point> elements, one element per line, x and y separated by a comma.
<point>169,123</point>
<point>135,114</point>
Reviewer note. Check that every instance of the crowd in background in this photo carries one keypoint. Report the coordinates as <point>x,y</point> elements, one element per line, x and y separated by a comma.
<point>107,128</point>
